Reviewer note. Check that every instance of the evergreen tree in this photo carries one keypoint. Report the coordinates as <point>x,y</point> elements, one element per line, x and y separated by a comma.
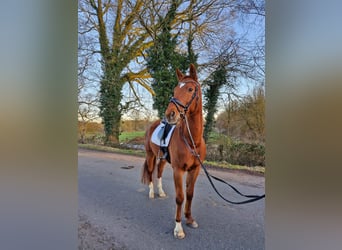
<point>163,60</point>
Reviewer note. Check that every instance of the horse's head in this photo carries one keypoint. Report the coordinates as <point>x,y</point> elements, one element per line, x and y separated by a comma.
<point>185,98</point>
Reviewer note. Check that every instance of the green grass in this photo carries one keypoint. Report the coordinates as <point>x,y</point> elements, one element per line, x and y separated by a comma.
<point>112,150</point>
<point>235,167</point>
<point>127,136</point>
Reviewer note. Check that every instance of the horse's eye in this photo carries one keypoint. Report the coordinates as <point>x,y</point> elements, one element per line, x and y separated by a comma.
<point>190,89</point>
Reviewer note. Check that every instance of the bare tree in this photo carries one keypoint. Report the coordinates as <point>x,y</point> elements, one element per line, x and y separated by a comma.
<point>244,119</point>
<point>87,93</point>
<point>119,41</point>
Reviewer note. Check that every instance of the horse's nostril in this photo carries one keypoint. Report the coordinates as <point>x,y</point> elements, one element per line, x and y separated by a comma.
<point>172,114</point>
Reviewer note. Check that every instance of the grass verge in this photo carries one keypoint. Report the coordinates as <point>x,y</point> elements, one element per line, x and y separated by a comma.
<point>224,165</point>
<point>141,153</point>
<point>135,152</point>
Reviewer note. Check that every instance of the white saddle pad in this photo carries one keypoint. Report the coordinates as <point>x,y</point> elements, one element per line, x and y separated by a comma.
<point>158,133</point>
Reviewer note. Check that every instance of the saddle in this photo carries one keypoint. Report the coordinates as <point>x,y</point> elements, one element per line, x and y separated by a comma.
<point>161,136</point>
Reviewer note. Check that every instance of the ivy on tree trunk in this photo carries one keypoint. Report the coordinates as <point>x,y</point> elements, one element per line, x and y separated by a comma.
<point>215,81</point>
<point>163,59</point>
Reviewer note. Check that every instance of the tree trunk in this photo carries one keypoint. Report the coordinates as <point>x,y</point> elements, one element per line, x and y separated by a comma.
<point>83,136</point>
<point>111,87</point>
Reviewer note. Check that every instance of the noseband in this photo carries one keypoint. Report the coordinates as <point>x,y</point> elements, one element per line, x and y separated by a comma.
<point>179,104</point>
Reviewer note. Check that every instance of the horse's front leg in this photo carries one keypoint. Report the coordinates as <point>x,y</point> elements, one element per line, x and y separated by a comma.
<point>178,180</point>
<point>190,186</point>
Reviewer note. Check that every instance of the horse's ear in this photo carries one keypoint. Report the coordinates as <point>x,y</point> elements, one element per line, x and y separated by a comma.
<point>193,73</point>
<point>180,75</point>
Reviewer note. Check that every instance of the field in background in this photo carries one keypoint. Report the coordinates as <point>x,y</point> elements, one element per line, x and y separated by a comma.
<point>131,136</point>
<point>221,149</point>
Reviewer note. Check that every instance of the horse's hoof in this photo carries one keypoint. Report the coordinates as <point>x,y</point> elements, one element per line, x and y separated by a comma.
<point>151,195</point>
<point>178,231</point>
<point>179,235</point>
<point>162,195</point>
<point>192,224</point>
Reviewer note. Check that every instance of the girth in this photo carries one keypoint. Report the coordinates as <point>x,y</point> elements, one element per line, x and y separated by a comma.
<point>165,150</point>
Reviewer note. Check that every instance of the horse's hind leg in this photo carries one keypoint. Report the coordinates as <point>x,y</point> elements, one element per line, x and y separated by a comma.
<point>190,185</point>
<point>161,166</point>
<point>149,165</point>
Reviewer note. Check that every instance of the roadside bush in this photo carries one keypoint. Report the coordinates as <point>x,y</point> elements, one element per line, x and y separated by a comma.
<point>97,139</point>
<point>246,154</point>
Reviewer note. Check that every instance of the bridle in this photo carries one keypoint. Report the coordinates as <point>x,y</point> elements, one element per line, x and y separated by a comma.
<point>185,107</point>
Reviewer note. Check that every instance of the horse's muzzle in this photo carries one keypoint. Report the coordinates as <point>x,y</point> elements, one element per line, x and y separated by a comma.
<point>172,116</point>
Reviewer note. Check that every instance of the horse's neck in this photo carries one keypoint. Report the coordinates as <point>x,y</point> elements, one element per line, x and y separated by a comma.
<point>195,122</point>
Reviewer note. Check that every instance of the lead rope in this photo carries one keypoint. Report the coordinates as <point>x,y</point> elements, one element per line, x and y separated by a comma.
<point>194,151</point>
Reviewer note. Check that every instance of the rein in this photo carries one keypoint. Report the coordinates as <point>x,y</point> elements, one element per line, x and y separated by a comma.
<point>194,152</point>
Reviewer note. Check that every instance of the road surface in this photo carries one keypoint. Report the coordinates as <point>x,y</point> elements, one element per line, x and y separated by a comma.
<point>115,212</point>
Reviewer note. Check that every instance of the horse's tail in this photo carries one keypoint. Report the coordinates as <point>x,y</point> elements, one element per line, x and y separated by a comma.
<point>147,171</point>
<point>145,177</point>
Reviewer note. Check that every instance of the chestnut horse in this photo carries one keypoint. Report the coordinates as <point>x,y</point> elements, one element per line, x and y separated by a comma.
<point>184,111</point>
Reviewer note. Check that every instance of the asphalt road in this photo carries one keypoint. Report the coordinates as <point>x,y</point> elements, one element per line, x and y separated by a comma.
<point>116,213</point>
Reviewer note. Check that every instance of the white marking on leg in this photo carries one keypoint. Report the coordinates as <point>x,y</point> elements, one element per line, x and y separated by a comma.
<point>151,192</point>
<point>160,188</point>
<point>178,231</point>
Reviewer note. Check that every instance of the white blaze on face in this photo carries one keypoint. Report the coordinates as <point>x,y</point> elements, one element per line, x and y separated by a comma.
<point>181,84</point>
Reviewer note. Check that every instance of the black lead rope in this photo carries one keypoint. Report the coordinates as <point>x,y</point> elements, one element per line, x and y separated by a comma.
<point>253,197</point>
